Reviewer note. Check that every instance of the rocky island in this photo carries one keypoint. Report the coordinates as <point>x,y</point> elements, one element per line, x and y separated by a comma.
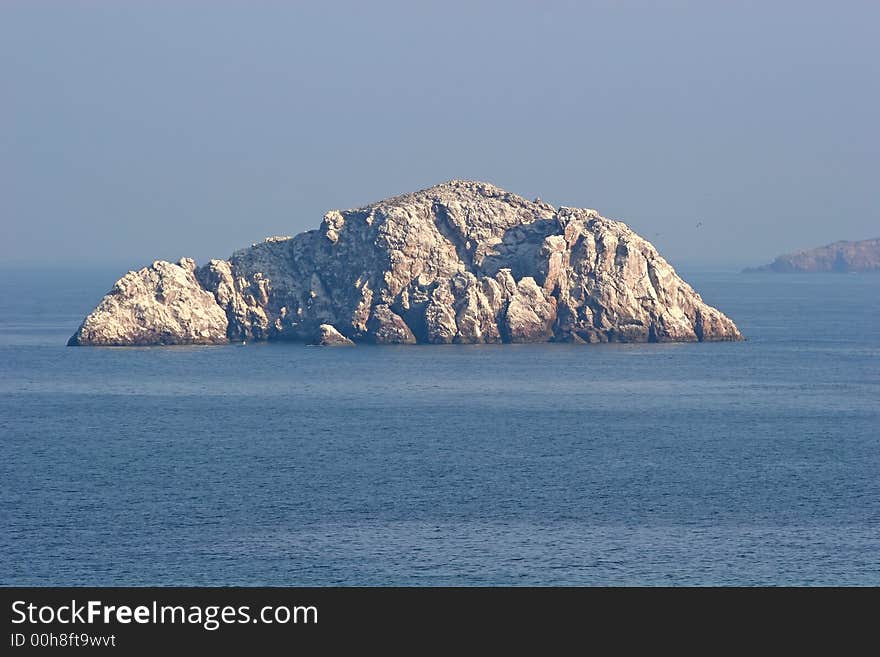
<point>840,257</point>
<point>461,262</point>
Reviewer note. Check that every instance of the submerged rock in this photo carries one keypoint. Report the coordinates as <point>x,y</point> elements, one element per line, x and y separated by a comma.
<point>461,262</point>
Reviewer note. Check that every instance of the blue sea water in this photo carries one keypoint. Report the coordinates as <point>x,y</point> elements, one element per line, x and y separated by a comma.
<point>281,464</point>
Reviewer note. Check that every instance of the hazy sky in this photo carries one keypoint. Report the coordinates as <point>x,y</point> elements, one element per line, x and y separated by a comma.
<point>131,131</point>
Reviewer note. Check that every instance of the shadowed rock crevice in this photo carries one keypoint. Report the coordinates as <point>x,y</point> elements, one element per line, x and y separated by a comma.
<point>463,262</point>
<point>519,250</point>
<point>464,248</point>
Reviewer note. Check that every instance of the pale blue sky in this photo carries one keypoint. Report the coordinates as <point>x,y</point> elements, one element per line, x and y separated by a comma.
<point>131,131</point>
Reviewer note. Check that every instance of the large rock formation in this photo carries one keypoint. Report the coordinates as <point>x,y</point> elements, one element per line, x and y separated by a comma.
<point>462,262</point>
<point>840,257</point>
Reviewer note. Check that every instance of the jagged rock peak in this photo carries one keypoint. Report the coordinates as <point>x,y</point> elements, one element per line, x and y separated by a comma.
<point>463,262</point>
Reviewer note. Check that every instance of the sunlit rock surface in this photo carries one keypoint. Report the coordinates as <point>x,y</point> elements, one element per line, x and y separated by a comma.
<point>461,262</point>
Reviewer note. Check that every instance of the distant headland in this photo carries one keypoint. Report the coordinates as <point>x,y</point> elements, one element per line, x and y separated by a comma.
<point>460,262</point>
<point>840,257</point>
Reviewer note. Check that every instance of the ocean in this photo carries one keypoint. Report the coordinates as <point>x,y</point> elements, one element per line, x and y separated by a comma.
<point>752,463</point>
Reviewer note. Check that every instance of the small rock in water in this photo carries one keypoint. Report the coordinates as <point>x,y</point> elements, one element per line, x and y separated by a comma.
<point>330,337</point>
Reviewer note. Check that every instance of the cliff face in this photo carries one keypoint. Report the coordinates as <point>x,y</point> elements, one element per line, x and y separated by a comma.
<point>462,262</point>
<point>863,256</point>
